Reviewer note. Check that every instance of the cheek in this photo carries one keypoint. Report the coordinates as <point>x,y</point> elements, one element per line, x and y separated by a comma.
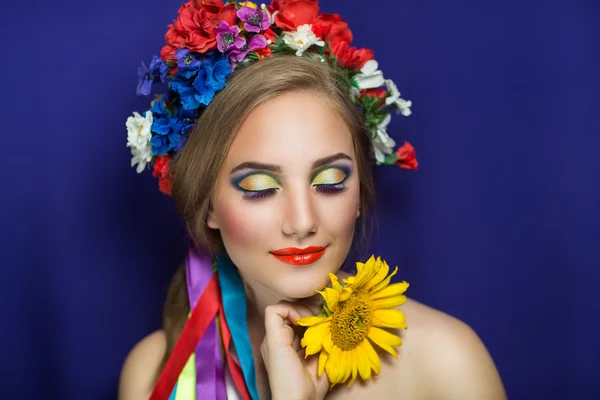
<point>241,225</point>
<point>341,215</point>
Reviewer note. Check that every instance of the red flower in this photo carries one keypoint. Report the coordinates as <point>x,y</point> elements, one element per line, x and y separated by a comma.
<point>379,93</point>
<point>351,57</point>
<point>407,157</point>
<point>331,28</point>
<point>194,29</point>
<point>262,53</point>
<point>270,35</point>
<point>161,170</point>
<point>293,13</point>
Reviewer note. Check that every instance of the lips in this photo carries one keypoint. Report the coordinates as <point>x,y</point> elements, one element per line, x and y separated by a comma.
<point>295,256</point>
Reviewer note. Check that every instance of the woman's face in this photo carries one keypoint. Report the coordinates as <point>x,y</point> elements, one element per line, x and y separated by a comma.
<point>287,197</point>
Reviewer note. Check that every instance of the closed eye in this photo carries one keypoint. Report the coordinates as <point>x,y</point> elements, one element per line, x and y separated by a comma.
<point>257,185</point>
<point>331,180</point>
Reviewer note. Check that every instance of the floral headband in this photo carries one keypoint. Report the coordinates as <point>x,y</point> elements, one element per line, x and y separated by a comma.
<point>211,38</point>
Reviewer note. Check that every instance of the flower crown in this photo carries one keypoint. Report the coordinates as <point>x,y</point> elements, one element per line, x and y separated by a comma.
<point>211,38</point>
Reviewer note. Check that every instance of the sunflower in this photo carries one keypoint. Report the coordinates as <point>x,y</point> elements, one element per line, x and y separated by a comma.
<point>352,317</point>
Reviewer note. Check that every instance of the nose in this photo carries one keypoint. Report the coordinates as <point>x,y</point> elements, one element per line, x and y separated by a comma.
<point>299,216</point>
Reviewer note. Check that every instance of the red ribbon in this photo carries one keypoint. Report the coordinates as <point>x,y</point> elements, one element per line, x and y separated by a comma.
<point>236,371</point>
<point>204,312</point>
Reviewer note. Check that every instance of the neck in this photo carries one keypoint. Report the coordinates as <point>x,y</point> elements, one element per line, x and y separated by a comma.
<point>259,297</point>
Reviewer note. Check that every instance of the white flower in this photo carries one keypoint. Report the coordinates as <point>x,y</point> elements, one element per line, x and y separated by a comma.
<point>302,39</point>
<point>271,17</point>
<point>138,138</point>
<point>369,77</point>
<point>402,106</point>
<point>382,143</point>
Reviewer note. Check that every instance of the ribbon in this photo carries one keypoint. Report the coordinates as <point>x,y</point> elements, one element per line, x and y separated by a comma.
<point>210,378</point>
<point>202,315</point>
<point>234,305</point>
<point>234,368</point>
<point>201,334</point>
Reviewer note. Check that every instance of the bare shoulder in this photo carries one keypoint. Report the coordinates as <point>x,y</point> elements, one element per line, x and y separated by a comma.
<point>140,367</point>
<point>452,360</point>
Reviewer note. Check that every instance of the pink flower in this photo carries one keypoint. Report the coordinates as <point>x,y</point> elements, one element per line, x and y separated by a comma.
<point>227,37</point>
<point>255,20</point>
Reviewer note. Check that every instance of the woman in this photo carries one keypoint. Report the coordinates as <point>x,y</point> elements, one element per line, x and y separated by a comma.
<point>272,182</point>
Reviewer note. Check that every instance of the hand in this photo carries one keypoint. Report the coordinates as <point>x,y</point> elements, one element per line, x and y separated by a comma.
<point>291,376</point>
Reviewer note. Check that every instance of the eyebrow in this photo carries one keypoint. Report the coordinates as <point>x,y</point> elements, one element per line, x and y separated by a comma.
<point>277,169</point>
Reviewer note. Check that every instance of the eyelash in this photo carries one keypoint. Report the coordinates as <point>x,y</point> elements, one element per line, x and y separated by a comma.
<point>324,189</point>
<point>258,194</point>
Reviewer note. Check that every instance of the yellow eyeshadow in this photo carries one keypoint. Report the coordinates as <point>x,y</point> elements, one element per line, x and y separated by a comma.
<point>258,182</point>
<point>331,176</point>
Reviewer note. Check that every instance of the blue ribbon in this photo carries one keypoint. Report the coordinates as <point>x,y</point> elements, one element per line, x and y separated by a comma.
<point>173,393</point>
<point>234,304</point>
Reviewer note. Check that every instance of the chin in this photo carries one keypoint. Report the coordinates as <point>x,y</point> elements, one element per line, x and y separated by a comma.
<point>300,283</point>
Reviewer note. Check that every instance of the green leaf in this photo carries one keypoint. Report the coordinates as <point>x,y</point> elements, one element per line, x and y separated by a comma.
<point>325,311</point>
<point>390,159</point>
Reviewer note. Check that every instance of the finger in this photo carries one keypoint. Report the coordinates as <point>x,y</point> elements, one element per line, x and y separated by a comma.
<point>310,305</point>
<point>321,383</point>
<point>279,319</point>
<point>298,333</point>
<point>315,303</point>
<point>264,352</point>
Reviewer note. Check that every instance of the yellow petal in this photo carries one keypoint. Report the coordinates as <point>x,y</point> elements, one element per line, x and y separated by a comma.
<point>347,369</point>
<point>388,302</point>
<point>359,279</point>
<point>385,282</point>
<point>371,268</point>
<point>364,272</point>
<point>392,290</point>
<point>372,356</point>
<point>331,297</point>
<point>313,338</point>
<point>335,283</point>
<point>385,340</point>
<point>322,359</point>
<point>354,365</point>
<point>388,318</point>
<point>371,261</point>
<point>364,367</point>
<point>379,276</point>
<point>312,320</point>
<point>328,342</point>
<point>345,294</point>
<point>331,366</point>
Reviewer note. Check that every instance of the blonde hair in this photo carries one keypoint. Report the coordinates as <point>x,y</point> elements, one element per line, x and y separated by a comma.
<point>197,166</point>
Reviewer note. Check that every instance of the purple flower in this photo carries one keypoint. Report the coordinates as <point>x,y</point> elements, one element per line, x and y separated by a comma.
<point>227,37</point>
<point>255,42</point>
<point>255,20</point>
<point>148,75</point>
<point>185,58</point>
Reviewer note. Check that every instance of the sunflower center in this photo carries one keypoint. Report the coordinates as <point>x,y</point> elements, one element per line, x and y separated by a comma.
<point>351,321</point>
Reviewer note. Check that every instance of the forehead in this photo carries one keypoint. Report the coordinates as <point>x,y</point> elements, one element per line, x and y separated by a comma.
<point>292,131</point>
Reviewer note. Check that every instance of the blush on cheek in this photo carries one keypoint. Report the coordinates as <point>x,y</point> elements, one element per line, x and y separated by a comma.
<point>244,226</point>
<point>342,214</point>
<point>235,224</point>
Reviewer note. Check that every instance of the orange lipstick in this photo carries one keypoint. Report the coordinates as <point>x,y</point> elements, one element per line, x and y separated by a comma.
<point>295,256</point>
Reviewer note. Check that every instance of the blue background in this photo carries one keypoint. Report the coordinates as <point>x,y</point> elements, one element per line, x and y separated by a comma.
<point>499,226</point>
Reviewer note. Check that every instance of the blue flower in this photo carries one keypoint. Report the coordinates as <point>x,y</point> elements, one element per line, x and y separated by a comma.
<point>197,85</point>
<point>187,59</point>
<point>171,123</point>
<point>148,75</point>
